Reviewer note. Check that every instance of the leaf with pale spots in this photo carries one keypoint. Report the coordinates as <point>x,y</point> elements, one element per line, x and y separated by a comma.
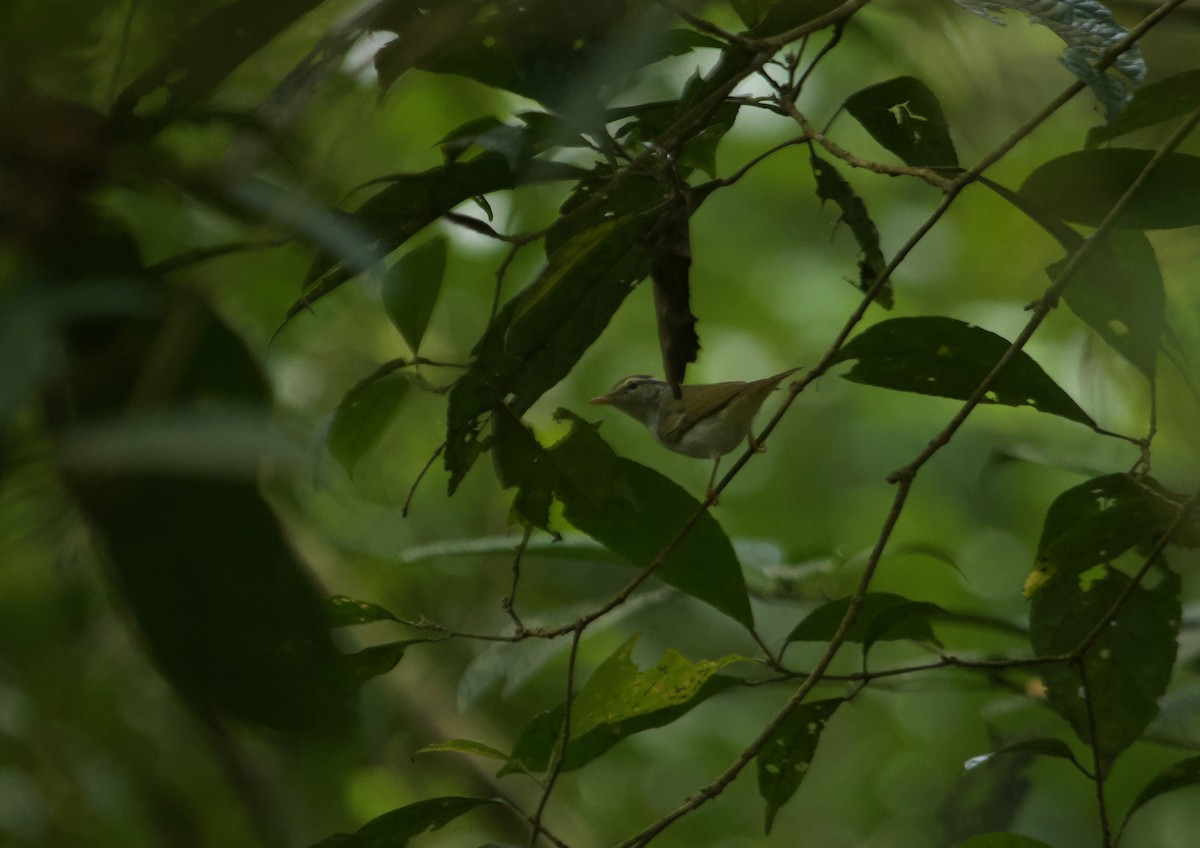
<point>618,700</point>
<point>783,762</point>
<point>1127,668</point>
<point>950,358</point>
<point>1097,521</point>
<point>904,116</point>
<point>341,611</point>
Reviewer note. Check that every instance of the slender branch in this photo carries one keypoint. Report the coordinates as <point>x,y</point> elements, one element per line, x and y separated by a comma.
<point>745,169</point>
<point>510,600</point>
<point>1097,774</point>
<point>932,177</point>
<point>560,750</point>
<point>412,491</point>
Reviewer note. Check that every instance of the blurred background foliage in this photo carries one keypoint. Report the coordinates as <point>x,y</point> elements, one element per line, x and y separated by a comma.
<point>97,749</point>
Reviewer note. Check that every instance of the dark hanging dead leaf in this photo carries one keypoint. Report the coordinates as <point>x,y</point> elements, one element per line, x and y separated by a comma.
<point>670,264</point>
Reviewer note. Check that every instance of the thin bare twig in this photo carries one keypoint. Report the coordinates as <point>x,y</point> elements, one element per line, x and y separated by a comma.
<point>560,750</point>
<point>510,600</point>
<point>1097,774</point>
<point>412,491</point>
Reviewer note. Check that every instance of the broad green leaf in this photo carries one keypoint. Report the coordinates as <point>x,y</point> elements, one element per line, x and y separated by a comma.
<point>1118,291</point>
<point>411,202</point>
<point>1097,521</point>
<point>521,461</point>
<point>364,415</point>
<point>986,797</point>
<point>376,660</point>
<point>1178,775</point>
<point>197,557</point>
<point>514,143</point>
<point>1129,666</point>
<point>1003,840</point>
<point>342,611</point>
<point>411,287</point>
<point>831,185</point>
<point>464,746</point>
<point>636,512</point>
<point>1083,186</point>
<point>949,358</point>
<point>776,16</point>
<point>1043,747</point>
<point>1152,104</point>
<point>395,829</point>
<point>651,120</point>
<point>882,617</point>
<point>904,116</point>
<point>540,334</point>
<point>783,762</point>
<point>618,700</point>
<point>202,55</point>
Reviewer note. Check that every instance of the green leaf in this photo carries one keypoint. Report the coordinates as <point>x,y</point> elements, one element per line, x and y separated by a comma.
<point>783,761</point>
<point>1129,666</point>
<point>364,415</point>
<point>541,333</point>
<point>376,660</point>
<point>904,116</point>
<point>882,617</point>
<point>521,461</point>
<point>411,202</point>
<point>831,185</point>
<point>636,512</point>
<point>619,700</point>
<point>1083,186</point>
<point>949,358</point>
<point>205,53</point>
<point>488,133</point>
<point>1118,291</point>
<point>465,746</point>
<point>776,16</point>
<point>342,611</point>
<point>1178,775</point>
<point>1097,521</point>
<point>411,287</point>
<point>394,829</point>
<point>1152,104</point>
<point>1003,840</point>
<point>652,120</point>
<point>1043,747</point>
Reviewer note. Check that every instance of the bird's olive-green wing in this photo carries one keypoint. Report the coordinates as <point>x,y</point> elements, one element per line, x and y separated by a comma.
<point>703,401</point>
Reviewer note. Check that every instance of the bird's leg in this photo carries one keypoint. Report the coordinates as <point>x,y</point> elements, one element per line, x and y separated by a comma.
<point>755,444</point>
<point>712,480</point>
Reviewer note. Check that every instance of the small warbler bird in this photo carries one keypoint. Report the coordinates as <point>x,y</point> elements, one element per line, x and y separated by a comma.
<point>707,422</point>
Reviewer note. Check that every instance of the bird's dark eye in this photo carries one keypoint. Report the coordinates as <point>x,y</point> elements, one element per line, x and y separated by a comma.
<point>633,384</point>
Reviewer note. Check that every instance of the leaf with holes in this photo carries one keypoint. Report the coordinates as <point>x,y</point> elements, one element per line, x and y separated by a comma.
<point>1126,670</point>
<point>831,185</point>
<point>949,358</point>
<point>1097,521</point>
<point>618,700</point>
<point>784,759</point>
<point>904,116</point>
<point>1083,186</point>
